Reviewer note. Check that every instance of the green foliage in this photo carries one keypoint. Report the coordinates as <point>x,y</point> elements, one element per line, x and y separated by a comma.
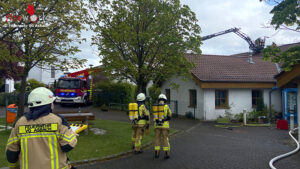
<point>110,92</point>
<point>13,98</point>
<point>143,40</point>
<point>239,117</point>
<point>53,44</point>
<point>287,12</point>
<point>154,92</point>
<point>288,58</point>
<point>34,83</point>
<point>223,120</point>
<point>286,15</point>
<point>253,115</point>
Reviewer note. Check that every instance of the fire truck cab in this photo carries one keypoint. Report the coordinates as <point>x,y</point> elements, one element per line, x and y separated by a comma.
<point>74,88</point>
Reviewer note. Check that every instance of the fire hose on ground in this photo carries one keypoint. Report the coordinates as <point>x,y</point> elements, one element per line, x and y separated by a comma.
<point>286,154</point>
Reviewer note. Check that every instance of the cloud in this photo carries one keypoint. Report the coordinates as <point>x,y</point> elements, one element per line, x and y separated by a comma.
<point>249,15</point>
<point>215,16</point>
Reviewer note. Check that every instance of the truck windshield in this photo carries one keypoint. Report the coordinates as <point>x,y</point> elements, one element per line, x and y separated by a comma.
<point>68,84</point>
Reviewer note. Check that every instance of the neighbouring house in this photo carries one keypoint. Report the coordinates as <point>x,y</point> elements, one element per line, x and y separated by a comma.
<point>45,74</point>
<point>219,83</point>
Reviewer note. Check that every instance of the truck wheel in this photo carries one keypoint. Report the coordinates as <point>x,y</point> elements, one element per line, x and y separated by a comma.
<point>85,102</point>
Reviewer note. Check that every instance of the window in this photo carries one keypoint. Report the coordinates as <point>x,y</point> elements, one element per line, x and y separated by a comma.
<point>256,97</point>
<point>52,72</point>
<point>193,98</point>
<point>168,94</point>
<point>221,99</point>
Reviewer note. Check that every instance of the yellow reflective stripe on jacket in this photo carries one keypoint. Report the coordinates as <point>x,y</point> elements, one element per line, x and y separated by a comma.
<point>12,140</point>
<point>52,138</point>
<point>13,165</point>
<point>24,153</point>
<point>38,128</point>
<point>66,137</point>
<point>53,152</point>
<point>48,134</point>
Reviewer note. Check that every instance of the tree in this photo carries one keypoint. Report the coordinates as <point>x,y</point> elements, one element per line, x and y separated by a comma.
<point>10,69</point>
<point>143,40</point>
<point>44,31</point>
<point>286,14</point>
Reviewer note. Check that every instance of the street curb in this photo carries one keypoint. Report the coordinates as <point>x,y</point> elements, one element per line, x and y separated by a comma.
<point>115,156</point>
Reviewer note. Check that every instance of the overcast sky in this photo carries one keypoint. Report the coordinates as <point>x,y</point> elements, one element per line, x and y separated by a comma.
<point>218,15</point>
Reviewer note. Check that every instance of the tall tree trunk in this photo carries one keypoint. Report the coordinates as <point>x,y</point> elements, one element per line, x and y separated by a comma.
<point>141,87</point>
<point>21,104</point>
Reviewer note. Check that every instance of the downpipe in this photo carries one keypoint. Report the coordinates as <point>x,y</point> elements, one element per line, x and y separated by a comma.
<point>286,154</point>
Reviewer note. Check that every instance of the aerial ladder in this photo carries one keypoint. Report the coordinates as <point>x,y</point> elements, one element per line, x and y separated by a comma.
<point>255,47</point>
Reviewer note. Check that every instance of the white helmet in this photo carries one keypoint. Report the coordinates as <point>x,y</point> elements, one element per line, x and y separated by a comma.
<point>141,97</point>
<point>162,96</point>
<point>40,96</point>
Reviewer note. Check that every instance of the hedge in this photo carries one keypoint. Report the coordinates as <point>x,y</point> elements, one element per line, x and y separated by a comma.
<point>110,92</point>
<point>13,98</point>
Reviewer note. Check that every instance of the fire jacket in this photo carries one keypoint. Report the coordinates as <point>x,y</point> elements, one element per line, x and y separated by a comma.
<point>167,115</point>
<point>144,115</point>
<point>40,142</point>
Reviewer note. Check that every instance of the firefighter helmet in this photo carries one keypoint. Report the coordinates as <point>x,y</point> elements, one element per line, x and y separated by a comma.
<point>40,96</point>
<point>141,97</point>
<point>162,97</point>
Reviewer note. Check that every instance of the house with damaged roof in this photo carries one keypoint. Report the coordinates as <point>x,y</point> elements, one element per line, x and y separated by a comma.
<point>218,83</point>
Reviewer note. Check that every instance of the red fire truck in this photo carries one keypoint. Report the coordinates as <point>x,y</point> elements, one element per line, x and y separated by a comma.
<point>75,87</point>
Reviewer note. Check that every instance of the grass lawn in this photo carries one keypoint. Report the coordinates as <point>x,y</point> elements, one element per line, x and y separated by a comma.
<point>116,140</point>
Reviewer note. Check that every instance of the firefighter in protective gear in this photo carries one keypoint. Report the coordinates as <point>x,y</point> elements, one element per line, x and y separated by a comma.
<point>162,128</point>
<point>142,123</point>
<point>40,139</point>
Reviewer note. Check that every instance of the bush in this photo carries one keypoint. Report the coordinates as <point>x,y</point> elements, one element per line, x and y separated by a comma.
<point>13,98</point>
<point>33,84</point>
<point>154,92</point>
<point>239,117</point>
<point>110,92</point>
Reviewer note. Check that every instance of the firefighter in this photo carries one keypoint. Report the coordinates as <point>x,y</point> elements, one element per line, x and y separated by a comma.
<point>142,123</point>
<point>162,128</point>
<point>40,139</point>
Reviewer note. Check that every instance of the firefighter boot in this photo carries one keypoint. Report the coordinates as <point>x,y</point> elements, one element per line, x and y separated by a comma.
<point>156,154</point>
<point>167,156</point>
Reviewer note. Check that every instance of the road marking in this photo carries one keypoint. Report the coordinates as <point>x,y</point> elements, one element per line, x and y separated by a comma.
<point>192,128</point>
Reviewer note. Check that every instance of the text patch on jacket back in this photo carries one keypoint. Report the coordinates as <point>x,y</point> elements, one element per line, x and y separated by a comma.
<point>37,128</point>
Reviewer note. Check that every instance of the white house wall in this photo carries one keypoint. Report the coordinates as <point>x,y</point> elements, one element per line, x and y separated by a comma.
<point>239,99</point>
<point>43,75</point>
<point>181,94</point>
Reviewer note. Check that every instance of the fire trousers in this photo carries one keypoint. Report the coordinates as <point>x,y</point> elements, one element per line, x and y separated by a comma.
<point>164,133</point>
<point>137,136</point>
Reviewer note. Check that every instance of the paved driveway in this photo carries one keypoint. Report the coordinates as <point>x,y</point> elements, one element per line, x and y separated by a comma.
<point>207,147</point>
